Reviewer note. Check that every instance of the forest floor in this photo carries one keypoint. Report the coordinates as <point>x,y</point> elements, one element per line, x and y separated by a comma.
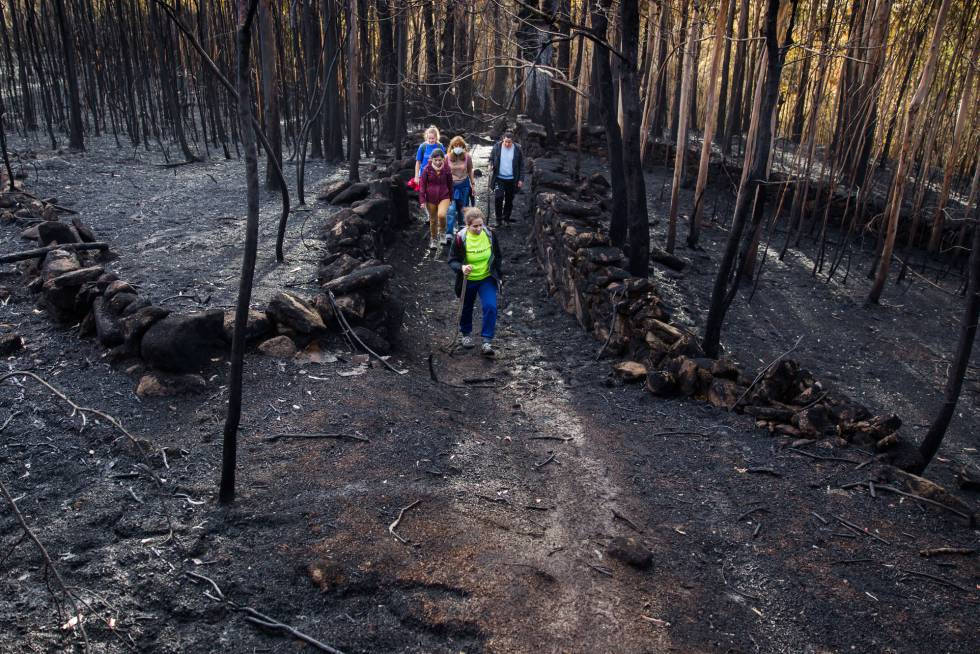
<point>512,488</point>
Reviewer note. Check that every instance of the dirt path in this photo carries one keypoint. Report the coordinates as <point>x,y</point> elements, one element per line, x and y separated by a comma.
<point>506,547</point>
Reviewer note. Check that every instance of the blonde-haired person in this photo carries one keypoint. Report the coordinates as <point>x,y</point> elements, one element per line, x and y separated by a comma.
<point>476,259</point>
<point>464,183</point>
<point>430,144</point>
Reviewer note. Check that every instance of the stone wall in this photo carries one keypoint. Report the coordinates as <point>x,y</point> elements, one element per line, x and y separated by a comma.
<point>170,349</point>
<point>628,318</point>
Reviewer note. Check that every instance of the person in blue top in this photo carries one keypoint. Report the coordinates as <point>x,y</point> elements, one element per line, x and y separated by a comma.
<point>425,150</point>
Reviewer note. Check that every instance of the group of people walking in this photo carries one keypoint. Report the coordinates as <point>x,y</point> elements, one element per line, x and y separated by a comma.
<point>446,186</point>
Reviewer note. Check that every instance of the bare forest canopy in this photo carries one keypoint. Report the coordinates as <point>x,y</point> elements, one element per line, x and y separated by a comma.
<point>849,74</point>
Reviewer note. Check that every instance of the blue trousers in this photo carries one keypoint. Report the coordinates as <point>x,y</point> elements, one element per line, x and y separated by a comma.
<point>487,290</point>
<point>461,200</point>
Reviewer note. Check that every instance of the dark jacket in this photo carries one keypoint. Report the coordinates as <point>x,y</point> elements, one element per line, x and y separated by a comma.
<point>495,163</point>
<point>435,185</point>
<point>457,258</point>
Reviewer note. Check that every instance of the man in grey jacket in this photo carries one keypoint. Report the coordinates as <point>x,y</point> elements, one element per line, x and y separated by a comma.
<point>506,176</point>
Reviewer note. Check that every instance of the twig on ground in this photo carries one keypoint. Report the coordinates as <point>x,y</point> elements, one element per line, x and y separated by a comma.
<point>563,439</point>
<point>820,457</point>
<point>764,471</point>
<point>819,517</point>
<point>199,577</point>
<point>761,374</point>
<point>265,621</point>
<point>546,461</point>
<point>344,325</point>
<point>601,569</point>
<point>339,436</point>
<point>9,418</point>
<point>864,531</point>
<point>750,512</point>
<point>940,580</point>
<point>40,252</point>
<point>75,408</point>
<point>851,561</point>
<point>78,616</point>
<point>942,551</point>
<point>261,619</point>
<point>620,516</point>
<point>898,491</point>
<point>394,525</point>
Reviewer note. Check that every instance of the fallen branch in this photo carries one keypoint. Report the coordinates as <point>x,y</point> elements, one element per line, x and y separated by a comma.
<point>344,325</point>
<point>942,551</point>
<point>620,516</point>
<point>47,560</point>
<point>265,621</point>
<point>261,619</point>
<point>563,439</point>
<point>75,408</point>
<point>40,252</point>
<point>57,207</point>
<point>546,461</point>
<point>940,580</point>
<point>353,437</point>
<point>860,530</point>
<point>394,525</point>
<point>820,457</point>
<point>759,377</point>
<point>601,569</point>
<point>750,512</point>
<point>217,589</point>
<point>898,491</point>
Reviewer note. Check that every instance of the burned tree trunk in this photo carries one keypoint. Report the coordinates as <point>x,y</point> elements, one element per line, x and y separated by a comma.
<point>684,106</point>
<point>898,183</point>
<point>226,493</point>
<point>618,226</point>
<point>733,123</point>
<point>636,193</point>
<point>753,186</point>
<point>333,133</point>
<point>962,117</point>
<point>353,104</point>
<point>270,92</point>
<point>961,360</point>
<point>710,121</point>
<point>76,139</point>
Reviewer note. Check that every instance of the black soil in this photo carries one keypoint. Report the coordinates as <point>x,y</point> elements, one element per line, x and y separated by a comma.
<point>516,484</point>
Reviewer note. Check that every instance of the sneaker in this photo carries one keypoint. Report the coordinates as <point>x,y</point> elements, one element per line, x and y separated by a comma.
<point>487,350</point>
<point>467,341</point>
<point>433,244</point>
<point>449,239</point>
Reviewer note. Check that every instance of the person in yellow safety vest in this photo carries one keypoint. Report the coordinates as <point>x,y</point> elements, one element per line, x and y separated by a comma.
<point>475,257</point>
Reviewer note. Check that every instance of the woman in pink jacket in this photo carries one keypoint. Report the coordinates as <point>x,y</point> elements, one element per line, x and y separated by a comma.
<point>435,194</point>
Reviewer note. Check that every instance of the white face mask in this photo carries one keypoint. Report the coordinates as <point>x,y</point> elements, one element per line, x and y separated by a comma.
<point>458,150</point>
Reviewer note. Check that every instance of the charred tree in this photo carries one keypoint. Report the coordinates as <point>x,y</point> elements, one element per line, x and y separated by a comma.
<point>752,190</point>
<point>76,139</point>
<point>961,360</point>
<point>618,226</point>
<point>226,493</point>
<point>270,91</point>
<point>353,104</point>
<point>890,220</point>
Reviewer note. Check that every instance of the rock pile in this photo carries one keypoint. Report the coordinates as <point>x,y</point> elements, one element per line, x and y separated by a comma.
<point>353,269</point>
<point>73,287</point>
<point>625,313</point>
